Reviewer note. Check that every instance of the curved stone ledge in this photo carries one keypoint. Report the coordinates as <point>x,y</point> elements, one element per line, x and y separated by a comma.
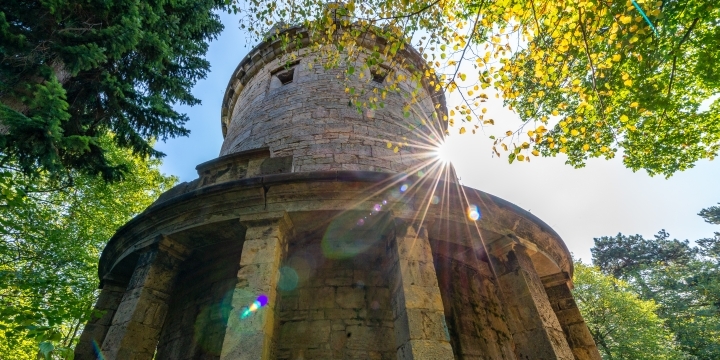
<point>318,196</point>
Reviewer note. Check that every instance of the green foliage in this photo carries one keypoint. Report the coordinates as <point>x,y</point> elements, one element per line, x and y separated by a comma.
<point>621,254</point>
<point>711,214</point>
<point>50,239</point>
<point>70,72</point>
<point>683,280</point>
<point>623,325</point>
<point>588,78</point>
<point>617,86</point>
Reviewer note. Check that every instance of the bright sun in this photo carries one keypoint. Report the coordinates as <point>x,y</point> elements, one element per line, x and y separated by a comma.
<point>443,152</point>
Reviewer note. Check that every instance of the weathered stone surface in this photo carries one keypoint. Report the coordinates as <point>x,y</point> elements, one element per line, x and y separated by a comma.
<point>571,321</point>
<point>292,120</point>
<point>250,333</point>
<point>474,313</point>
<point>98,326</point>
<point>419,321</point>
<point>136,325</point>
<point>352,301</point>
<point>534,326</point>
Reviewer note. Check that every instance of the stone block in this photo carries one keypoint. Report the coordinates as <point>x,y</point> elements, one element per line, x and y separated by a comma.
<point>300,334</point>
<point>410,248</point>
<point>316,298</point>
<point>340,314</point>
<point>578,335</point>
<point>256,279</point>
<point>251,346</point>
<point>362,337</point>
<point>350,297</point>
<point>378,298</point>
<point>338,339</point>
<point>258,232</point>
<point>569,317</point>
<point>558,292</point>
<point>259,251</point>
<point>541,344</point>
<point>566,304</point>
<point>425,350</point>
<point>340,280</point>
<point>418,273</point>
<point>422,297</point>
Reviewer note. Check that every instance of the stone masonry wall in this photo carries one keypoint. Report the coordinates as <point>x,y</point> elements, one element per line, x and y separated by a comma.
<point>340,308</point>
<point>311,119</point>
<point>474,314</point>
<point>197,317</point>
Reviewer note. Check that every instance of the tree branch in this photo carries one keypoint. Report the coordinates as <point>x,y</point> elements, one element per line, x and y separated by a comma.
<point>675,54</point>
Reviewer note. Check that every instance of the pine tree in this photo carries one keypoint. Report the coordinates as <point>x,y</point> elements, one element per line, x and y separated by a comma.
<point>71,72</point>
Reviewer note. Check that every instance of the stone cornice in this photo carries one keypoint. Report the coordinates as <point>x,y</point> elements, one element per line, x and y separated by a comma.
<point>252,195</point>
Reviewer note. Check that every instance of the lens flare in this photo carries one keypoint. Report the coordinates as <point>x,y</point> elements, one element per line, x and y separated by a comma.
<point>443,152</point>
<point>98,353</point>
<point>403,188</point>
<point>261,301</point>
<point>473,212</point>
<point>288,279</point>
<point>346,236</point>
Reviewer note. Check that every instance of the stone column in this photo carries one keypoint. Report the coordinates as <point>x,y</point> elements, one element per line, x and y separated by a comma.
<point>420,328</point>
<point>557,287</point>
<point>252,336</point>
<point>98,325</point>
<point>535,329</point>
<point>136,326</point>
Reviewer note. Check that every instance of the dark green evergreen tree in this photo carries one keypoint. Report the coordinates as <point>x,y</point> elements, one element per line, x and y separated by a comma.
<point>73,71</point>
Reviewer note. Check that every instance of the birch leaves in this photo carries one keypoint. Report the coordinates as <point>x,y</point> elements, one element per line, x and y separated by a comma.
<point>588,78</point>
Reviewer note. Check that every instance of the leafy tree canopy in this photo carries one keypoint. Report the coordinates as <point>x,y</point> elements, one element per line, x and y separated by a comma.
<point>51,235</point>
<point>588,78</point>
<point>683,280</point>
<point>70,72</point>
<point>623,325</point>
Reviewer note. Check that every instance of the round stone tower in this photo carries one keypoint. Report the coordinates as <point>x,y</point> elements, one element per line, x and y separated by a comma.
<point>313,237</point>
<point>294,109</point>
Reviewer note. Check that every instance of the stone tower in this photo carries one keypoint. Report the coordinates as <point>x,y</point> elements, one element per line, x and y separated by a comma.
<point>310,238</point>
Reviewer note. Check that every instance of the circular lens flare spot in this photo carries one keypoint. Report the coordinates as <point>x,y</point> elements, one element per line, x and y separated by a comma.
<point>288,279</point>
<point>259,302</point>
<point>96,349</point>
<point>473,212</point>
<point>403,188</point>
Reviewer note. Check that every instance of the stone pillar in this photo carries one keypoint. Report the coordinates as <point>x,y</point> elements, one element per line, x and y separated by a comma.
<point>252,337</point>
<point>136,326</point>
<point>535,329</point>
<point>557,287</point>
<point>419,319</point>
<point>101,318</point>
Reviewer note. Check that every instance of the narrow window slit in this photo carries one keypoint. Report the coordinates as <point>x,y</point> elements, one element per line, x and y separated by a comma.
<point>379,73</point>
<point>285,74</point>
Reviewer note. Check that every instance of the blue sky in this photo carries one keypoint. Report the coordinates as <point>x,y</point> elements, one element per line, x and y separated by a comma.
<point>601,199</point>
